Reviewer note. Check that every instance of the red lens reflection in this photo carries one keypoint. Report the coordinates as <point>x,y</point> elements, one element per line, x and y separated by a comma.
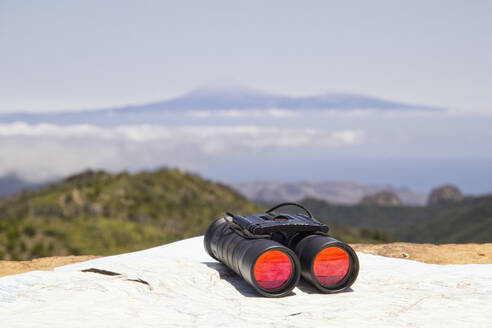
<point>331,266</point>
<point>273,269</point>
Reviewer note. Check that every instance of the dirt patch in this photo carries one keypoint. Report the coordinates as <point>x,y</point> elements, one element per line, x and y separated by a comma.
<point>44,263</point>
<point>427,253</point>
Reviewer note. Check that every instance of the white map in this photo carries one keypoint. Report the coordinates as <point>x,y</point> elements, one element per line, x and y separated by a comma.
<point>180,285</point>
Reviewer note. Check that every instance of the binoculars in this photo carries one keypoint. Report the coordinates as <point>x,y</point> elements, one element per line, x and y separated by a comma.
<point>272,250</point>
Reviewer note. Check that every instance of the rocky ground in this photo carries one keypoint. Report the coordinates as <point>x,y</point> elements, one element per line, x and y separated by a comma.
<point>44,263</point>
<point>434,254</point>
<point>427,253</point>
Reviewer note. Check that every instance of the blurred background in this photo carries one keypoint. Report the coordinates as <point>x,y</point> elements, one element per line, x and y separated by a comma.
<point>128,124</point>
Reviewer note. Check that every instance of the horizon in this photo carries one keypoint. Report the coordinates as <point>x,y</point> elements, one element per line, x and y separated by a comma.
<point>338,193</point>
<point>224,89</point>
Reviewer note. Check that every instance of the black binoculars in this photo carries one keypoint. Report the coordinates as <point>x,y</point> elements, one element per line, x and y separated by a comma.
<point>272,250</point>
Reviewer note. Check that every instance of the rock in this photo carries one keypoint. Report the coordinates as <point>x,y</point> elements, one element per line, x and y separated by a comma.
<point>179,285</point>
<point>383,198</point>
<point>445,195</point>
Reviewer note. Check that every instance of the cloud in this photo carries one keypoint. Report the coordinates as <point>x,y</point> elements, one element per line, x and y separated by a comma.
<point>42,151</point>
<point>245,135</point>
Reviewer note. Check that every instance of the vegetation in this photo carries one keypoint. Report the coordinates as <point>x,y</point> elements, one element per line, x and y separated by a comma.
<point>465,221</point>
<point>102,214</point>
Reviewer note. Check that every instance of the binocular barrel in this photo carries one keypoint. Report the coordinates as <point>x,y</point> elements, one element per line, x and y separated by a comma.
<point>330,265</point>
<point>271,268</point>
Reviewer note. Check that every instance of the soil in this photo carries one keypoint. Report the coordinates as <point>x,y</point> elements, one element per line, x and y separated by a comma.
<point>434,254</point>
<point>43,263</point>
<point>427,253</point>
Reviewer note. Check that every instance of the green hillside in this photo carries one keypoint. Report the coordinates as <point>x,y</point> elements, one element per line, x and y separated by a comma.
<point>469,220</point>
<point>101,213</point>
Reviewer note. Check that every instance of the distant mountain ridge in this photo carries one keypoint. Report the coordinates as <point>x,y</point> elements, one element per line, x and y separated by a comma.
<point>244,98</point>
<point>339,192</point>
<point>217,99</point>
<point>11,183</point>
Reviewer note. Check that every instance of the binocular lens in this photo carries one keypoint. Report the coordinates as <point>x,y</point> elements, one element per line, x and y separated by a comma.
<point>273,269</point>
<point>331,265</point>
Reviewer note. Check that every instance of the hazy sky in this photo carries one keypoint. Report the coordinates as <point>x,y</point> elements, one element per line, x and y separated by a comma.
<point>86,54</point>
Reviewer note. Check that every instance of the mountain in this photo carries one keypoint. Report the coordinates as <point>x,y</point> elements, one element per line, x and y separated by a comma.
<point>445,194</point>
<point>101,213</point>
<point>11,184</point>
<point>467,221</point>
<point>243,98</point>
<point>214,99</point>
<point>340,192</point>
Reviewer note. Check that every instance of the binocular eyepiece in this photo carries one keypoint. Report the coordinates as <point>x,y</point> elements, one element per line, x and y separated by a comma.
<point>271,251</point>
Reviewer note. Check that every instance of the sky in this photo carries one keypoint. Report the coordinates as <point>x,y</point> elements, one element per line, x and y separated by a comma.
<point>64,55</point>
<point>77,55</point>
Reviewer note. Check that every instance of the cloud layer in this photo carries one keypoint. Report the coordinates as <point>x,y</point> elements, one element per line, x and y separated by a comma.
<point>42,151</point>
